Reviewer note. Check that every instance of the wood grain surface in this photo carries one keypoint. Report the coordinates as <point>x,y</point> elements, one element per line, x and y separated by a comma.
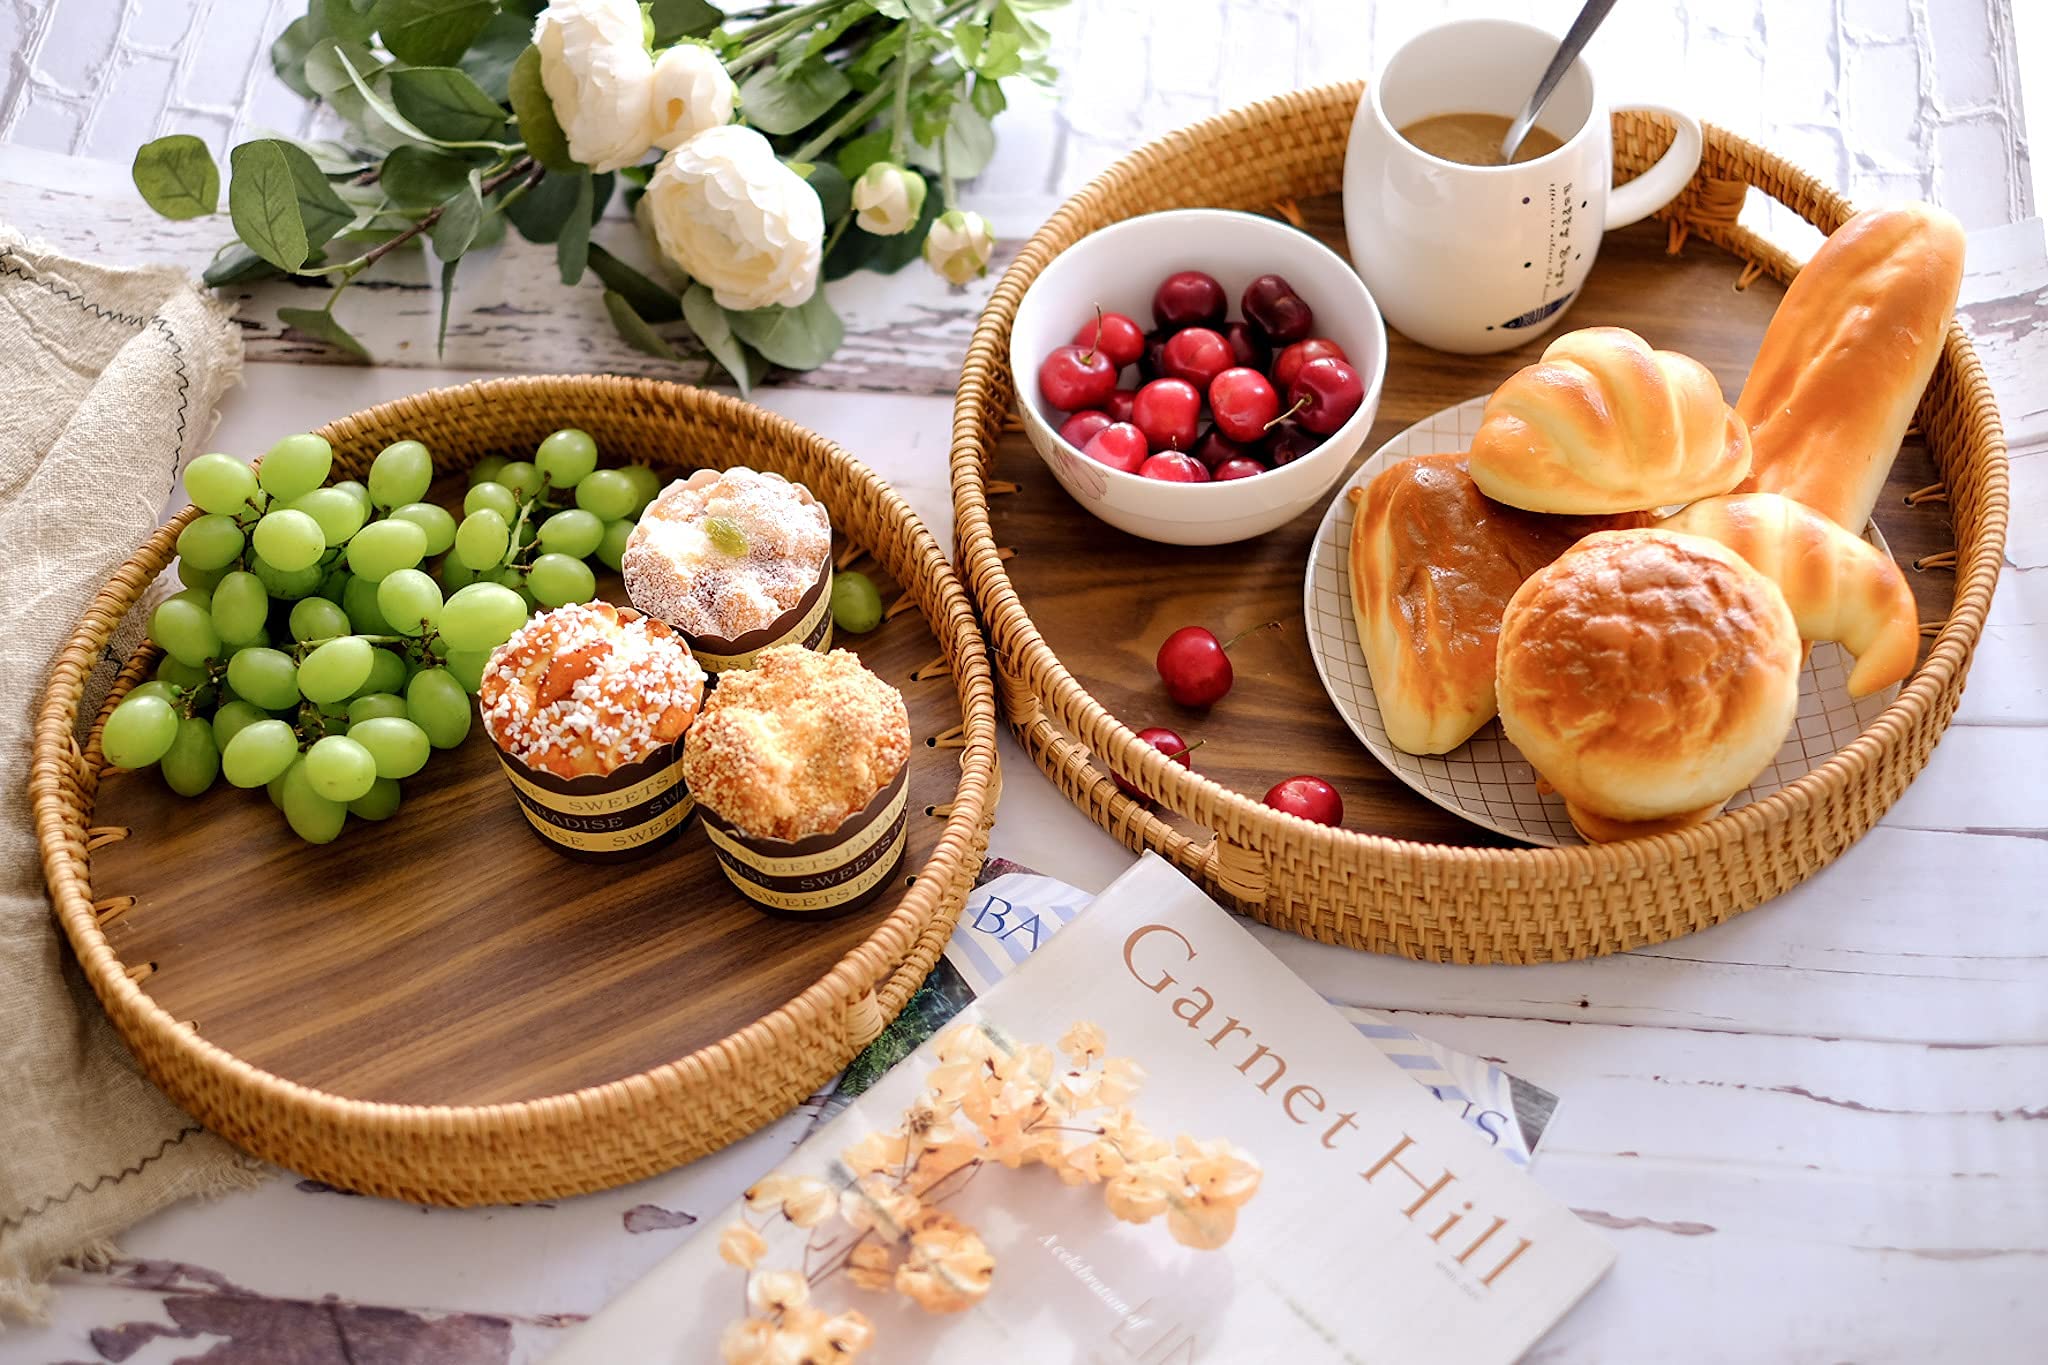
<point>449,956</point>
<point>1104,600</point>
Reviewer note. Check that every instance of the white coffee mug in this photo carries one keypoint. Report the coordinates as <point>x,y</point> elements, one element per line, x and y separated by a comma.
<point>1481,258</point>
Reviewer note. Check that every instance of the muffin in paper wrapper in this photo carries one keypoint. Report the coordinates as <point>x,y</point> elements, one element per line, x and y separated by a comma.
<point>808,623</point>
<point>621,815</point>
<point>820,875</point>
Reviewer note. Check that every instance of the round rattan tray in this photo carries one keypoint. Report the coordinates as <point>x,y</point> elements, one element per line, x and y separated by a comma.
<point>448,1011</point>
<point>1401,880</point>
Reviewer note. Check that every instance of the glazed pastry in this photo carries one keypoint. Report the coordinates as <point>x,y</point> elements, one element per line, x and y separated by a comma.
<point>1839,586</point>
<point>1648,676</point>
<point>1433,562</point>
<point>1603,423</point>
<point>1848,355</point>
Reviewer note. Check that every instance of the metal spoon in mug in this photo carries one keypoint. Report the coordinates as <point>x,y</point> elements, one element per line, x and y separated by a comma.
<point>1575,39</point>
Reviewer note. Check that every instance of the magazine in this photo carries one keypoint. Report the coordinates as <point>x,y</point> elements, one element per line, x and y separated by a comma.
<point>1150,1142</point>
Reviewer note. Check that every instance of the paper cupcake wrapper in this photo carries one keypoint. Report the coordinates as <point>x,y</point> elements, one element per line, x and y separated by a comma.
<point>809,623</point>
<point>823,874</point>
<point>624,814</point>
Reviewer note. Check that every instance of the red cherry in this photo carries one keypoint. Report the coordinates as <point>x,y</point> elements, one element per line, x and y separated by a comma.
<point>1166,742</point>
<point>1197,355</point>
<point>1118,445</point>
<point>1170,466</point>
<point>1288,443</point>
<point>1247,347</point>
<point>1152,364</point>
<point>1119,405</point>
<point>1074,377</point>
<point>1309,797</point>
<point>1271,305</point>
<point>1237,467</point>
<point>1289,362</point>
<point>1168,411</point>
<point>1082,425</point>
<point>1213,448</point>
<point>1115,335</point>
<point>1242,403</point>
<point>1195,666</point>
<point>1189,298</point>
<point>1324,395</point>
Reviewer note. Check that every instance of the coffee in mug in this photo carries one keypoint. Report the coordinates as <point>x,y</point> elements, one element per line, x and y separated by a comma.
<point>1474,139</point>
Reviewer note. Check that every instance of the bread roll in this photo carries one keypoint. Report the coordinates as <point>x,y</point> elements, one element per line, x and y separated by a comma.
<point>1649,676</point>
<point>1433,562</point>
<point>1847,356</point>
<point>1603,424</point>
<point>1839,586</point>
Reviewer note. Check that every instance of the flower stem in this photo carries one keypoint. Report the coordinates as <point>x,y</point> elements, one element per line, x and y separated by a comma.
<point>763,38</point>
<point>901,130</point>
<point>860,113</point>
<point>348,270</point>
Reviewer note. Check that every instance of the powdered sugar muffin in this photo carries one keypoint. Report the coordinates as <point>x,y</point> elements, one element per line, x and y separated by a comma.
<point>737,561</point>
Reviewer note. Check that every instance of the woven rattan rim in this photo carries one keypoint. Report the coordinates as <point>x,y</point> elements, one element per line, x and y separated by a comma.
<point>601,1135</point>
<point>1437,901</point>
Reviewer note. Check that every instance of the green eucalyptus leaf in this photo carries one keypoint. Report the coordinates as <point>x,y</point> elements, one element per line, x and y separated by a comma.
<point>988,99</point>
<point>852,251</point>
<point>924,11</point>
<point>448,265</point>
<point>572,247</point>
<point>264,205</point>
<point>320,324</point>
<point>675,19</point>
<point>328,65</point>
<point>538,129</point>
<point>335,158</point>
<point>460,217</point>
<point>489,59</point>
<point>443,102</point>
<point>709,322</point>
<point>835,192</point>
<point>634,328</point>
<point>416,177</point>
<point>348,20</point>
<point>968,40</point>
<point>430,32</point>
<point>860,153</point>
<point>399,123</point>
<point>177,177</point>
<point>799,338</point>
<point>835,27</point>
<point>236,264</point>
<point>778,101</point>
<point>541,211</point>
<point>1002,58</point>
<point>490,231</point>
<point>650,300</point>
<point>320,208</point>
<point>288,56</point>
<point>1012,16</point>
<point>970,144</point>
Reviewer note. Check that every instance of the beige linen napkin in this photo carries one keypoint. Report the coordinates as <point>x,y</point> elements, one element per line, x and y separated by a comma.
<point>108,380</point>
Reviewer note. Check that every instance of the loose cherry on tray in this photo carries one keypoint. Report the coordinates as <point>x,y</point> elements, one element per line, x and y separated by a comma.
<point>1289,362</point>
<point>1118,445</point>
<point>1169,412</point>
<point>1166,742</point>
<point>1189,298</point>
<point>1247,347</point>
<point>1195,665</point>
<point>1115,335</point>
<point>1212,448</point>
<point>1237,467</point>
<point>1196,354</point>
<point>1324,395</point>
<point>1076,377</point>
<point>1170,466</point>
<point>1119,403</point>
<point>1271,305</point>
<point>1078,429</point>
<point>1243,403</point>
<point>1309,797</point>
<point>1287,443</point>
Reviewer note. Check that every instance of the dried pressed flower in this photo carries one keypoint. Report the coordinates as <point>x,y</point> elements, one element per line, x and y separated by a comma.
<point>740,1245</point>
<point>870,1266</point>
<point>765,1194</point>
<point>1142,1192</point>
<point>1218,1171</point>
<point>810,1201</point>
<point>773,1291</point>
<point>1121,1080</point>
<point>850,1333</point>
<point>749,1341</point>
<point>874,1205</point>
<point>964,1042</point>
<point>1131,1138</point>
<point>877,1152</point>
<point>948,1268</point>
<point>1083,1043</point>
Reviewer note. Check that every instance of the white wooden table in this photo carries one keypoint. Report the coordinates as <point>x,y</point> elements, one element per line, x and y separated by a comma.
<point>1819,1133</point>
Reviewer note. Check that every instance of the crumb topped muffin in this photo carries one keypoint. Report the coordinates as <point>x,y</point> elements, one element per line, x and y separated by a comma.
<point>586,689</point>
<point>722,554</point>
<point>796,745</point>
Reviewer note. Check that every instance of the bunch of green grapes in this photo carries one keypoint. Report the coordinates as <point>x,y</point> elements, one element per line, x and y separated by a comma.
<point>313,653</point>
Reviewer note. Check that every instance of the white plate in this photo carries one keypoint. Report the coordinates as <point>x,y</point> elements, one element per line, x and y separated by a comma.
<point>1486,779</point>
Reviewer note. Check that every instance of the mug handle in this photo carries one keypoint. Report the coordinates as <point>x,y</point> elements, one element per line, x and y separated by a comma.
<point>1660,184</point>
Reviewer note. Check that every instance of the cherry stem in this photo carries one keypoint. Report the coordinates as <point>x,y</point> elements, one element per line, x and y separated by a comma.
<point>1299,404</point>
<point>1095,345</point>
<point>1183,753</point>
<point>1251,630</point>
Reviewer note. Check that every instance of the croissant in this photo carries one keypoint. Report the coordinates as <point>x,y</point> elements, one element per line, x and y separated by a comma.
<point>1839,586</point>
<point>1603,423</point>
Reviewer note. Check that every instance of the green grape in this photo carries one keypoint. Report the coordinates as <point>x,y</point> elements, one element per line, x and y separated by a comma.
<point>334,583</point>
<point>360,601</point>
<point>286,586</point>
<point>380,802</point>
<point>481,616</point>
<point>258,753</point>
<point>574,532</point>
<point>336,670</point>
<point>316,618</point>
<point>157,687</point>
<point>486,469</point>
<point>141,730</point>
<point>290,540</point>
<point>220,483</point>
<point>313,817</point>
<point>410,601</point>
<point>183,676</point>
<point>566,456</point>
<point>468,667</point>
<point>856,605</point>
<point>432,518</point>
<point>183,629</point>
<point>611,551</point>
<point>607,492</point>
<point>210,542</point>
<point>481,540</point>
<point>355,489</point>
<point>646,485</point>
<point>233,717</point>
<point>193,760</point>
<point>241,607</point>
<point>528,533</point>
<point>339,768</point>
<point>385,547</point>
<point>436,703</point>
<point>399,746</point>
<point>495,496</point>
<point>400,474</point>
<point>267,677</point>
<point>522,478</point>
<point>295,465</point>
<point>371,705</point>
<point>335,509</point>
<point>274,788</point>
<point>192,576</point>
<point>201,598</point>
<point>557,580</point>
<point>456,574</point>
<point>387,673</point>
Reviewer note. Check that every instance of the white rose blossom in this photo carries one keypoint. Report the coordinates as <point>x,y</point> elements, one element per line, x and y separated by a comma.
<point>733,217</point>
<point>889,199</point>
<point>959,246</point>
<point>599,78</point>
<point>692,92</point>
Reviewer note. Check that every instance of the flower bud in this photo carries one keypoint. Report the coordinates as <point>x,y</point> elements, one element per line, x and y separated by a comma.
<point>889,198</point>
<point>959,246</point>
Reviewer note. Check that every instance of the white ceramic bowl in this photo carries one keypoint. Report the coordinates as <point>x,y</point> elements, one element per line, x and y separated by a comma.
<point>1118,267</point>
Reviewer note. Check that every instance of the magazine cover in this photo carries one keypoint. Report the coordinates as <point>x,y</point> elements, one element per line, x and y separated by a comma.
<point>1151,1142</point>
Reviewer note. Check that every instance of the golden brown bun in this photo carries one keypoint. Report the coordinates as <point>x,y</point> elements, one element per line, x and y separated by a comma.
<point>1647,675</point>
<point>1839,586</point>
<point>1847,356</point>
<point>1602,424</point>
<point>1433,562</point>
